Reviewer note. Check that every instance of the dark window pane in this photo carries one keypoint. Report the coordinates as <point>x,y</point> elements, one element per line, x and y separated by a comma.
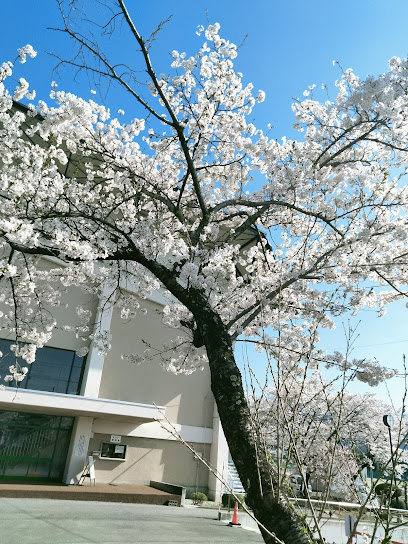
<point>78,361</point>
<point>113,451</point>
<point>33,445</point>
<point>72,389</point>
<point>54,370</point>
<point>76,374</point>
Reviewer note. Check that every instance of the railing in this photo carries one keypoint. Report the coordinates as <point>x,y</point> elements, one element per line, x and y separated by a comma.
<point>28,445</point>
<point>233,479</point>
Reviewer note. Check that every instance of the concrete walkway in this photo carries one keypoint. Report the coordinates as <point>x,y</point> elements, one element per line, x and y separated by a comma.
<point>47,521</point>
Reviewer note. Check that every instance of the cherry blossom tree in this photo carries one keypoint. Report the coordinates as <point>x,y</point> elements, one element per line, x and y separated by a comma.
<point>324,440</point>
<point>251,238</point>
<point>327,432</point>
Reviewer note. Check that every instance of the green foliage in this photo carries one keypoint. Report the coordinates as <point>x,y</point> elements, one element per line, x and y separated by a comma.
<point>397,502</point>
<point>383,490</point>
<point>383,514</point>
<point>229,500</point>
<point>198,497</point>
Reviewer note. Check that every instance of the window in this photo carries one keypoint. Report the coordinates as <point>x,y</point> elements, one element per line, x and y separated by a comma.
<point>113,451</point>
<point>55,370</point>
<point>33,446</point>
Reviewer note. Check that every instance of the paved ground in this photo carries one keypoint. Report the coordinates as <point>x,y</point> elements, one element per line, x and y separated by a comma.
<point>47,521</point>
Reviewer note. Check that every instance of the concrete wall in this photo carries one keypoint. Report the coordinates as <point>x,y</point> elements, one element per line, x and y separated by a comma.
<point>64,314</point>
<point>188,399</point>
<point>189,404</point>
<point>334,532</point>
<point>152,459</point>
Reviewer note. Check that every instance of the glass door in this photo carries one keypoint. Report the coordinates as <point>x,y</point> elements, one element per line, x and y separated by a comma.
<point>33,446</point>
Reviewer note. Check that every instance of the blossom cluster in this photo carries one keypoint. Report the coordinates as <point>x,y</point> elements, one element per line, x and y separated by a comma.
<point>175,203</point>
<point>316,425</point>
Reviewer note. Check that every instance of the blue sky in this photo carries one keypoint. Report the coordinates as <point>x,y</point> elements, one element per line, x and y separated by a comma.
<point>288,47</point>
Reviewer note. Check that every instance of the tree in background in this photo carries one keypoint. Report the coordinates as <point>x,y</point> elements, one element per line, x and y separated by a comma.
<point>327,443</point>
<point>250,238</point>
<point>318,427</point>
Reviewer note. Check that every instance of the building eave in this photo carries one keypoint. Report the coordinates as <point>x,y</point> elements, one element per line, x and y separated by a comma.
<point>27,400</point>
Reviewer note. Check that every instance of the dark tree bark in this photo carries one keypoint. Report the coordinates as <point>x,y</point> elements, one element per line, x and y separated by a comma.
<point>255,471</point>
<point>271,509</point>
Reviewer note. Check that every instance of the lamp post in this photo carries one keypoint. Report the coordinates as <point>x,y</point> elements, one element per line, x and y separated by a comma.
<point>388,421</point>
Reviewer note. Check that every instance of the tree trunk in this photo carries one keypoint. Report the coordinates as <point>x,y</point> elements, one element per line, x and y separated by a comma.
<point>256,473</point>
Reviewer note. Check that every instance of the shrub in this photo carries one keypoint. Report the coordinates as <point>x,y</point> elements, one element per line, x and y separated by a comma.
<point>229,500</point>
<point>198,497</point>
<point>397,502</point>
<point>384,490</point>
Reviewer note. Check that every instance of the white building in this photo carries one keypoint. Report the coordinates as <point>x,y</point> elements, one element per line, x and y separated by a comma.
<point>69,407</point>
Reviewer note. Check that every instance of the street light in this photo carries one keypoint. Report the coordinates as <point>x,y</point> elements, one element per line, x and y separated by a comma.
<point>388,421</point>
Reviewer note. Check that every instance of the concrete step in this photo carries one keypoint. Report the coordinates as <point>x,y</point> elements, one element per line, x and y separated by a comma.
<point>140,494</point>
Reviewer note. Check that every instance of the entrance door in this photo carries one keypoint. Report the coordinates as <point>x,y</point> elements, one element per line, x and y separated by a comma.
<point>33,446</point>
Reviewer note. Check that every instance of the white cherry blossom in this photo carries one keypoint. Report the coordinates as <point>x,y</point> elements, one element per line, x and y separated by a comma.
<point>173,199</point>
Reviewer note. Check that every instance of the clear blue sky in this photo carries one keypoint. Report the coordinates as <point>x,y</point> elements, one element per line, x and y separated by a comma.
<point>288,47</point>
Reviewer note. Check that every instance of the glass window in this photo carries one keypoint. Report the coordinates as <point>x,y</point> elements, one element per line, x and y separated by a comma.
<point>33,446</point>
<point>55,370</point>
<point>113,451</point>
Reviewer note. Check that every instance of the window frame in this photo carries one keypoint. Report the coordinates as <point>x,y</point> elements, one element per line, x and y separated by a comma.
<point>112,445</point>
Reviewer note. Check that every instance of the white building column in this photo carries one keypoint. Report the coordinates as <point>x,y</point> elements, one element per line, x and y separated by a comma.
<point>78,449</point>
<point>218,459</point>
<point>94,363</point>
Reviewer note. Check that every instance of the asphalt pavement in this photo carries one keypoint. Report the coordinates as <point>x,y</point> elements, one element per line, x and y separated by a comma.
<point>48,521</point>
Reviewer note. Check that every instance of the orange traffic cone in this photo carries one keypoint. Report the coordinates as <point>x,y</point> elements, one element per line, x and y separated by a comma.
<point>234,522</point>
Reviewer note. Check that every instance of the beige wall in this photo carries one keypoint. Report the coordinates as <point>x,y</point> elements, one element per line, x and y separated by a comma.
<point>64,314</point>
<point>150,459</point>
<point>188,399</point>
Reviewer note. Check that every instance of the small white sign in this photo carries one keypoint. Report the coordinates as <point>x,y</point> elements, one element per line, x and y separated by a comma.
<point>91,468</point>
<point>115,439</point>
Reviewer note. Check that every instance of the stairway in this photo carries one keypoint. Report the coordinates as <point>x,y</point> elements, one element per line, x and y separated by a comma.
<point>233,479</point>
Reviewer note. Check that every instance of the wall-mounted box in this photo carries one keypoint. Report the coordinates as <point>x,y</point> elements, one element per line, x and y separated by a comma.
<point>113,451</point>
